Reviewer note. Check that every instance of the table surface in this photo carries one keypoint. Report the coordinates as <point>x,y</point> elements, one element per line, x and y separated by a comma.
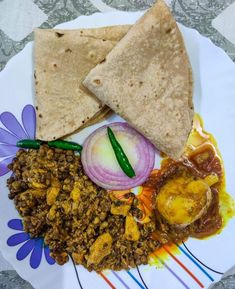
<point>214,19</point>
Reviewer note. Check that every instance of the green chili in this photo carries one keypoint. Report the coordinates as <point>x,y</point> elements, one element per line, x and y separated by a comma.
<point>65,145</point>
<point>61,144</point>
<point>120,155</point>
<point>29,144</point>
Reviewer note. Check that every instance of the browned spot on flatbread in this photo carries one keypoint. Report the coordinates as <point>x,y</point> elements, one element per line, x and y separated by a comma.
<point>97,81</point>
<point>103,60</point>
<point>59,34</point>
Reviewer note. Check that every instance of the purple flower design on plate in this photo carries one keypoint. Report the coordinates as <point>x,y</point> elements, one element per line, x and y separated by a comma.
<point>13,132</point>
<point>34,246</point>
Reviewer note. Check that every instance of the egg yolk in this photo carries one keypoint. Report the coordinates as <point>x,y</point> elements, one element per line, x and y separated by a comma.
<point>182,201</point>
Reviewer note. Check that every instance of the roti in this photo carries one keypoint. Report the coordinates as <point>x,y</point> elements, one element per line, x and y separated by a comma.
<point>62,60</point>
<point>147,80</point>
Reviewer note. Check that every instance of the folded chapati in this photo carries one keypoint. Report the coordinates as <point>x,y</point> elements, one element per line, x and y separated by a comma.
<point>147,80</point>
<point>62,60</point>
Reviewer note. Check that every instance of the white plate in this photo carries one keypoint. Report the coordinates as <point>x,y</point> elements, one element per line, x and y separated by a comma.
<point>214,98</point>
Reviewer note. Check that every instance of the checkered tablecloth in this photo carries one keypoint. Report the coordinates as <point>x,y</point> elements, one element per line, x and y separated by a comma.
<point>212,18</point>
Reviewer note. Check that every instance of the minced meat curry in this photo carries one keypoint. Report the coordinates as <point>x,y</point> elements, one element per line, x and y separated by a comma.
<point>75,217</point>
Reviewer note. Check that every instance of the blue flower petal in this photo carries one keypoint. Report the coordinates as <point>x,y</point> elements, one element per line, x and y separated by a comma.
<point>3,165</point>
<point>16,224</point>
<point>7,150</point>
<point>12,124</point>
<point>17,239</point>
<point>36,256</point>
<point>49,259</point>
<point>24,250</point>
<point>29,120</point>
<point>7,138</point>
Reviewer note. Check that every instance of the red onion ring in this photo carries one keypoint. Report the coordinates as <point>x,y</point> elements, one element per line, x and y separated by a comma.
<point>113,180</point>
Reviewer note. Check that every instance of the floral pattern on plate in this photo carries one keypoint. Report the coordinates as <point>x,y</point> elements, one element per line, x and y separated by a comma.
<point>35,246</point>
<point>13,132</point>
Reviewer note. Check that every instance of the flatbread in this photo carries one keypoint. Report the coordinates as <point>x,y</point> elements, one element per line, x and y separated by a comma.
<point>103,114</point>
<point>147,80</point>
<point>62,60</point>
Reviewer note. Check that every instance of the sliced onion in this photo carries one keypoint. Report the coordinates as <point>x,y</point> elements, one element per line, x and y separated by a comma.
<point>100,163</point>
